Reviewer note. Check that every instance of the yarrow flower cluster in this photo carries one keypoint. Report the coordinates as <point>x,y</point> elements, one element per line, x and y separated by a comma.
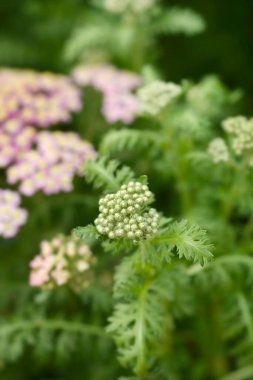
<point>125,214</point>
<point>135,6</point>
<point>63,260</point>
<point>218,150</point>
<point>14,139</point>
<point>119,104</point>
<point>52,165</point>
<point>27,100</point>
<point>12,217</point>
<point>241,130</point>
<point>156,95</point>
<point>39,99</point>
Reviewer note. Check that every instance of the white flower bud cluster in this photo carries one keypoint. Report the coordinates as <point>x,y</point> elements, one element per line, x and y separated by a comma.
<point>124,215</point>
<point>218,150</point>
<point>122,6</point>
<point>241,129</point>
<point>156,95</point>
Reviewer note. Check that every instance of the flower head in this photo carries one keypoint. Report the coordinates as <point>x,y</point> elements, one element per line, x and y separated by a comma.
<point>156,95</point>
<point>121,107</point>
<point>119,104</point>
<point>52,165</point>
<point>125,214</point>
<point>15,138</point>
<point>12,217</point>
<point>241,130</point>
<point>38,99</point>
<point>28,100</point>
<point>63,260</point>
<point>218,150</point>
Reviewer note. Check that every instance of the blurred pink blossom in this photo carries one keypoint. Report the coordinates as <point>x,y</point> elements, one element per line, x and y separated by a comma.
<point>51,166</point>
<point>28,100</point>
<point>12,217</point>
<point>62,260</point>
<point>121,107</point>
<point>119,104</point>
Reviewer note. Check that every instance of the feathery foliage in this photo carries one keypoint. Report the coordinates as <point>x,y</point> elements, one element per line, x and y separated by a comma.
<point>182,20</point>
<point>130,139</point>
<point>43,335</point>
<point>187,241</point>
<point>107,174</point>
<point>224,273</point>
<point>238,331</point>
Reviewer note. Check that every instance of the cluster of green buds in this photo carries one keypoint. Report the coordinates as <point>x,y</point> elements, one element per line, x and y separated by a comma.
<point>218,150</point>
<point>125,214</point>
<point>155,96</point>
<point>63,260</point>
<point>241,130</point>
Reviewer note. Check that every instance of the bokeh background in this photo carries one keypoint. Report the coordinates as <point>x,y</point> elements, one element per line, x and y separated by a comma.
<point>33,34</point>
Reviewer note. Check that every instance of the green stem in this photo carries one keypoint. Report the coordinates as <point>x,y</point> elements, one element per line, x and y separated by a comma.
<point>209,341</point>
<point>75,327</point>
<point>141,368</point>
<point>139,39</point>
<point>233,193</point>
<point>246,239</point>
<point>182,170</point>
<point>182,186</point>
<point>246,316</point>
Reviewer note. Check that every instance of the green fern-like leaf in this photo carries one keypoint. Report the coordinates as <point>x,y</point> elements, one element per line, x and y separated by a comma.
<point>137,325</point>
<point>224,273</point>
<point>181,20</point>
<point>125,139</point>
<point>181,238</point>
<point>116,247</point>
<point>17,335</point>
<point>88,233</point>
<point>238,328</point>
<point>88,37</point>
<point>141,317</point>
<point>107,174</point>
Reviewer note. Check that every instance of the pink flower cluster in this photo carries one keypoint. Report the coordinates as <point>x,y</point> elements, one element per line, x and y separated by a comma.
<point>14,138</point>
<point>51,165</point>
<point>64,260</point>
<point>119,104</point>
<point>12,217</point>
<point>29,99</point>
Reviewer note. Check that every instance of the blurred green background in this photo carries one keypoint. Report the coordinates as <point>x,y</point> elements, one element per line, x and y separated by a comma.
<point>33,34</point>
